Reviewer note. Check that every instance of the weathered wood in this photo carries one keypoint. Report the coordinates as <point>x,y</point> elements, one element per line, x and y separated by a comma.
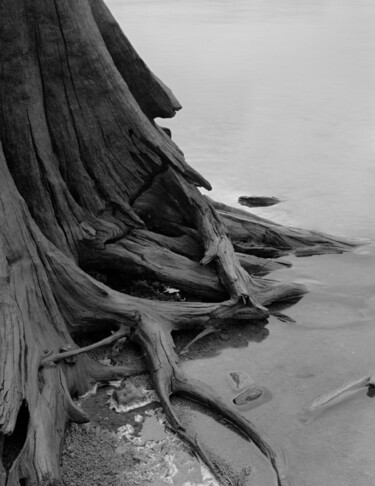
<point>249,234</point>
<point>245,228</point>
<point>85,304</point>
<point>67,355</point>
<point>151,94</point>
<point>332,398</point>
<point>191,247</point>
<point>88,179</point>
<point>29,323</point>
<point>139,255</point>
<point>217,246</point>
<point>170,379</point>
<point>68,114</point>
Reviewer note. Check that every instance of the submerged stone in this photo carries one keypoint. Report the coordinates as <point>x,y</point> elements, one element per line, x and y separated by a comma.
<point>239,380</point>
<point>249,395</point>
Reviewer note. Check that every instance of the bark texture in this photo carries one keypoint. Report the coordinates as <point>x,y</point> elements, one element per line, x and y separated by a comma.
<point>89,182</point>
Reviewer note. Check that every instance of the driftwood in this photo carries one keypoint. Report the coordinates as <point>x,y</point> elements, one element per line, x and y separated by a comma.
<point>334,397</point>
<point>89,181</point>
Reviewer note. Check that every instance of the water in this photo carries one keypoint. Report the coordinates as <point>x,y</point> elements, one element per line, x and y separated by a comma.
<point>279,100</point>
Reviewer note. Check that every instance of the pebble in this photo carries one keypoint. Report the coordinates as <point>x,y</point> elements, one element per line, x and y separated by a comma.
<point>126,394</point>
<point>250,394</point>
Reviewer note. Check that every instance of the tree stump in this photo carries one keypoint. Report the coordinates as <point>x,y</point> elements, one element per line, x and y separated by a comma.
<point>89,181</point>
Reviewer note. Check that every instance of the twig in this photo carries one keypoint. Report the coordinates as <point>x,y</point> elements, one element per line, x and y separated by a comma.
<point>53,358</point>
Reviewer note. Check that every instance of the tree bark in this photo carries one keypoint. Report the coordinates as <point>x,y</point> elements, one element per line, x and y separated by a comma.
<point>88,182</point>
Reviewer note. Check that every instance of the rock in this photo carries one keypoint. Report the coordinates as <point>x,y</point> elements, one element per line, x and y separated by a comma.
<point>257,201</point>
<point>105,361</point>
<point>239,379</point>
<point>250,394</point>
<point>127,394</point>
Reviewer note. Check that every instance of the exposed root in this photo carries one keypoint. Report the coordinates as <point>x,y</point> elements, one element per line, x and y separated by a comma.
<point>139,255</point>
<point>261,266</point>
<point>198,448</point>
<point>169,379</point>
<point>152,323</point>
<point>217,246</point>
<point>74,302</point>
<point>198,391</point>
<point>67,355</point>
<point>207,331</point>
<point>249,232</point>
<point>39,459</point>
<point>85,155</point>
<point>103,373</point>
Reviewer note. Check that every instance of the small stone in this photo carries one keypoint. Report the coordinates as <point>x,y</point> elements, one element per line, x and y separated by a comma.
<point>239,379</point>
<point>250,394</point>
<point>126,394</point>
<point>105,361</point>
<point>171,290</point>
<point>258,201</point>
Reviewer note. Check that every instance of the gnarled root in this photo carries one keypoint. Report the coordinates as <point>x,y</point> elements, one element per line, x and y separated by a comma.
<point>169,379</point>
<point>63,69</point>
<point>122,332</point>
<point>38,462</point>
<point>255,235</point>
<point>152,323</point>
<point>138,255</point>
<point>249,234</point>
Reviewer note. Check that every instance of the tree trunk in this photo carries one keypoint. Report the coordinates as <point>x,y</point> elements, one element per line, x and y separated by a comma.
<point>89,181</point>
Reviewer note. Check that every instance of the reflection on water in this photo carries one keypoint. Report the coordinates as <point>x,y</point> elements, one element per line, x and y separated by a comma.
<point>279,100</point>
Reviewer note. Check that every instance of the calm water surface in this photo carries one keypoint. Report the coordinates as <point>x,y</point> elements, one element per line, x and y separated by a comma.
<point>279,100</point>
